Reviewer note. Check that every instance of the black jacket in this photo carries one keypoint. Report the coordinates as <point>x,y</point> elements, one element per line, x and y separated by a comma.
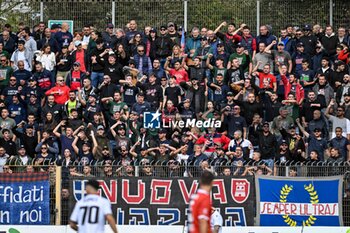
<point>163,46</point>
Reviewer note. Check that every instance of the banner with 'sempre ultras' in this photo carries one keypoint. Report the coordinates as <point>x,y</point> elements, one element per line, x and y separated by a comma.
<point>295,201</point>
<point>152,201</point>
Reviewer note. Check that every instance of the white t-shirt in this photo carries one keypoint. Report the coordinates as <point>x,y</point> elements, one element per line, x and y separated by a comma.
<point>89,213</point>
<point>343,123</point>
<point>21,57</point>
<point>216,220</point>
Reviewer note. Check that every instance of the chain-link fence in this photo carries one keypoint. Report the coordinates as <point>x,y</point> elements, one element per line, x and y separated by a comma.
<point>203,13</point>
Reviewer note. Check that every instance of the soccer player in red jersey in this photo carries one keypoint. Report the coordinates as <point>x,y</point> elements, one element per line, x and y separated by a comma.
<point>200,206</point>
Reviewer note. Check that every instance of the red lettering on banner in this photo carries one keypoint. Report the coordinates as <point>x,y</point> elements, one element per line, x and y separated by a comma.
<point>110,192</point>
<point>160,184</point>
<point>221,194</point>
<point>184,191</point>
<point>333,210</point>
<point>133,199</point>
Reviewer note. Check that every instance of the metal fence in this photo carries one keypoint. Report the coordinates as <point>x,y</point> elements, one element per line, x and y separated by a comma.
<point>205,13</point>
<point>55,185</point>
<point>59,177</point>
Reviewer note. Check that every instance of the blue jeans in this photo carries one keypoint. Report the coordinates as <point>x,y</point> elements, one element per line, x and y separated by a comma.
<point>96,78</point>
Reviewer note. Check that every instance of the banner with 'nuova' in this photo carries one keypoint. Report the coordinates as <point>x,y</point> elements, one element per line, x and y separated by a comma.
<point>152,201</point>
<point>24,198</point>
<point>297,201</point>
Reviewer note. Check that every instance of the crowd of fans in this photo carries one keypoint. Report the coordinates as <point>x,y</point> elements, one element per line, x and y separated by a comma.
<point>79,99</point>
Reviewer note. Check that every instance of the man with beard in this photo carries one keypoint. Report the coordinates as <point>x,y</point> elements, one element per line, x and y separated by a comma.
<point>85,91</point>
<point>343,90</point>
<point>339,120</point>
<point>91,107</point>
<point>338,75</point>
<point>283,121</point>
<point>267,145</point>
<point>230,38</point>
<point>295,144</point>
<point>323,90</point>
<point>115,103</point>
<point>251,106</point>
<point>31,89</point>
<point>311,104</point>
<point>52,107</point>
<point>98,58</point>
<point>120,137</point>
<point>43,77</point>
<point>173,34</point>
<point>85,156</point>
<point>309,40</point>
<point>153,92</point>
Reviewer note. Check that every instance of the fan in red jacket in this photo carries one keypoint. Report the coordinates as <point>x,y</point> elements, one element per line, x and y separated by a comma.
<point>60,91</point>
<point>212,139</point>
<point>292,86</point>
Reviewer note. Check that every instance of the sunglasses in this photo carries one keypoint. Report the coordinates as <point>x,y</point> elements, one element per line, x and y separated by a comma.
<point>3,60</point>
<point>140,51</point>
<point>13,80</point>
<point>43,148</point>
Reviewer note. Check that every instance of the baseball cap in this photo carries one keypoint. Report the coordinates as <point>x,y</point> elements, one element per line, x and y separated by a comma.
<point>87,144</point>
<point>229,93</point>
<point>77,43</point>
<point>187,100</point>
<point>21,147</point>
<point>171,24</point>
<point>266,123</point>
<point>105,148</point>
<point>163,27</point>
<point>100,127</point>
<point>220,43</point>
<point>284,142</point>
<point>292,126</point>
<point>347,94</point>
<point>110,25</point>
<point>31,79</point>
<point>77,63</point>
<point>317,130</point>
<point>162,131</point>
<point>93,95</point>
<point>280,43</point>
<point>153,30</point>
<point>121,126</point>
<point>300,44</point>
<point>240,45</point>
<point>307,27</point>
<point>55,26</point>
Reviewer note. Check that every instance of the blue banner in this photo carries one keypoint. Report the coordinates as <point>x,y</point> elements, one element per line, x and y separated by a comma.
<point>25,198</point>
<point>299,201</point>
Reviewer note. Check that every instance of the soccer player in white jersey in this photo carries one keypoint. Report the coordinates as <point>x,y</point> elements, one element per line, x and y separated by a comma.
<point>92,211</point>
<point>216,221</point>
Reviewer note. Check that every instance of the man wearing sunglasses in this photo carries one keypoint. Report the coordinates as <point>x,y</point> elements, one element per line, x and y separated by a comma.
<point>60,91</point>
